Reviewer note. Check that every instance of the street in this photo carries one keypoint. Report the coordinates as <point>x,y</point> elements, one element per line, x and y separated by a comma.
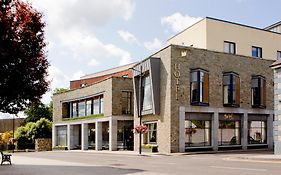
<point>86,163</point>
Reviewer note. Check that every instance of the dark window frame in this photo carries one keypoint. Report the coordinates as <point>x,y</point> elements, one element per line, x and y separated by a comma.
<point>259,52</point>
<point>261,92</point>
<point>202,91</point>
<point>232,102</point>
<point>129,104</point>
<point>229,47</point>
<point>278,54</point>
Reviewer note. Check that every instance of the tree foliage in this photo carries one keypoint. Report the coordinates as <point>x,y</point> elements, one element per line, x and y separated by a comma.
<point>60,90</point>
<point>25,135</point>
<point>36,111</point>
<point>23,63</point>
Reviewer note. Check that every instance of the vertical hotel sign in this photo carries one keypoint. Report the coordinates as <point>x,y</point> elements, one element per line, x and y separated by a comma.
<point>177,75</point>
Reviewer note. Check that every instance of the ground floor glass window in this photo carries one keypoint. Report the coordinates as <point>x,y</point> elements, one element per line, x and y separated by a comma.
<point>229,132</point>
<point>61,136</point>
<point>151,136</point>
<point>197,133</point>
<point>257,132</point>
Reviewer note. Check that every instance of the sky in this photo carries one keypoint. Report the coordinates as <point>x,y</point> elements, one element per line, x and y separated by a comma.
<point>87,36</point>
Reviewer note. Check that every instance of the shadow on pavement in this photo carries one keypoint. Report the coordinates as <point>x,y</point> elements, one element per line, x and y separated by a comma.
<point>64,170</point>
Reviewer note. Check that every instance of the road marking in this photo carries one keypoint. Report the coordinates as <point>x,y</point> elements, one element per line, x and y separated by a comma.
<point>252,160</point>
<point>233,168</point>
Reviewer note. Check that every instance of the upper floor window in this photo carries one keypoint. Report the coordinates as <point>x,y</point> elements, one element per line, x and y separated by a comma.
<point>257,52</point>
<point>199,87</point>
<point>278,54</point>
<point>146,93</point>
<point>86,107</point>
<point>229,47</point>
<point>231,89</point>
<point>126,102</point>
<point>258,91</point>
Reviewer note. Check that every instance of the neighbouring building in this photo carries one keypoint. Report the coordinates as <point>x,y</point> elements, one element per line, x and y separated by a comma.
<point>96,113</point>
<point>277,106</point>
<point>7,124</point>
<point>224,36</point>
<point>196,99</point>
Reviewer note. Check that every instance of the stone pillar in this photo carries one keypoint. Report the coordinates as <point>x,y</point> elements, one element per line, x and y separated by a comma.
<point>270,131</point>
<point>215,128</point>
<point>54,136</point>
<point>84,136</point>
<point>182,129</point>
<point>244,133</point>
<point>70,136</point>
<point>98,135</point>
<point>113,134</point>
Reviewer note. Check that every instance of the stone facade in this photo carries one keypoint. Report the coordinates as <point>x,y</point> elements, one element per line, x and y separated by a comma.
<point>170,122</point>
<point>43,144</point>
<point>104,125</point>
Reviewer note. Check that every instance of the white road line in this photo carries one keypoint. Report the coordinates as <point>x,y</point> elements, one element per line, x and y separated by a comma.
<point>234,168</point>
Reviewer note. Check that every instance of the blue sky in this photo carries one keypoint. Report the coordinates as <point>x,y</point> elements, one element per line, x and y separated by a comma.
<point>87,36</point>
<point>92,35</point>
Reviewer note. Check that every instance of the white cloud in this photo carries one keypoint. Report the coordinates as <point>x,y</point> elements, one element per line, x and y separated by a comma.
<point>127,37</point>
<point>93,62</point>
<point>178,22</point>
<point>153,45</point>
<point>77,75</point>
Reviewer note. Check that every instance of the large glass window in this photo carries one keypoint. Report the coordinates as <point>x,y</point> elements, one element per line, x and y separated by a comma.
<point>74,109</point>
<point>151,136</point>
<point>146,91</point>
<point>126,102</point>
<point>81,108</point>
<point>258,91</point>
<point>197,133</point>
<point>257,52</point>
<point>88,107</point>
<point>61,136</point>
<point>229,130</point>
<point>231,89</point>
<point>97,105</point>
<point>257,132</point>
<point>229,47</point>
<point>101,104</point>
<point>199,87</point>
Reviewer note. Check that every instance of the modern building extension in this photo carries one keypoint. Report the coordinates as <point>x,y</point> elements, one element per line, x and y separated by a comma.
<point>96,113</point>
<point>224,36</point>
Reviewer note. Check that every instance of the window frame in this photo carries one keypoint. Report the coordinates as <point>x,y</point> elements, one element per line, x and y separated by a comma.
<point>202,91</point>
<point>129,102</point>
<point>231,102</point>
<point>229,47</point>
<point>278,54</point>
<point>262,91</point>
<point>259,52</point>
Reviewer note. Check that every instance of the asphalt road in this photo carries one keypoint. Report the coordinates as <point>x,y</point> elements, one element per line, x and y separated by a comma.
<point>92,163</point>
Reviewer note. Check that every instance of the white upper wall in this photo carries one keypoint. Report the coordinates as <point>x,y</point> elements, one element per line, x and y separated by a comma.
<point>194,36</point>
<point>211,33</point>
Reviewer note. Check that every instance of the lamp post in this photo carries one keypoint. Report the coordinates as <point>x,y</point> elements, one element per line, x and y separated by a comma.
<point>139,107</point>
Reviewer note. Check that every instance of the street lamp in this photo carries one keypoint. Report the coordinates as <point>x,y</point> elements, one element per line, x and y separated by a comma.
<point>139,109</point>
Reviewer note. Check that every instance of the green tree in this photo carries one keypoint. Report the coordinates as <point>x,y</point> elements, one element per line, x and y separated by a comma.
<point>36,111</point>
<point>60,90</point>
<point>23,65</point>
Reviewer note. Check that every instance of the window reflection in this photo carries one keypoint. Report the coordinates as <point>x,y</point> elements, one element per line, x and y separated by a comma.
<point>197,133</point>
<point>229,132</point>
<point>146,91</point>
<point>257,132</point>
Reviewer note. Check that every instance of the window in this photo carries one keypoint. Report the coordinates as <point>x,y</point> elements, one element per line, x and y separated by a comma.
<point>61,136</point>
<point>257,132</point>
<point>257,52</point>
<point>151,136</point>
<point>278,54</point>
<point>146,91</point>
<point>258,91</point>
<point>89,107</point>
<point>197,133</point>
<point>101,104</point>
<point>126,102</point>
<point>96,105</point>
<point>229,47</point>
<point>74,109</point>
<point>229,129</point>
<point>199,87</point>
<point>231,89</point>
<point>81,107</point>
